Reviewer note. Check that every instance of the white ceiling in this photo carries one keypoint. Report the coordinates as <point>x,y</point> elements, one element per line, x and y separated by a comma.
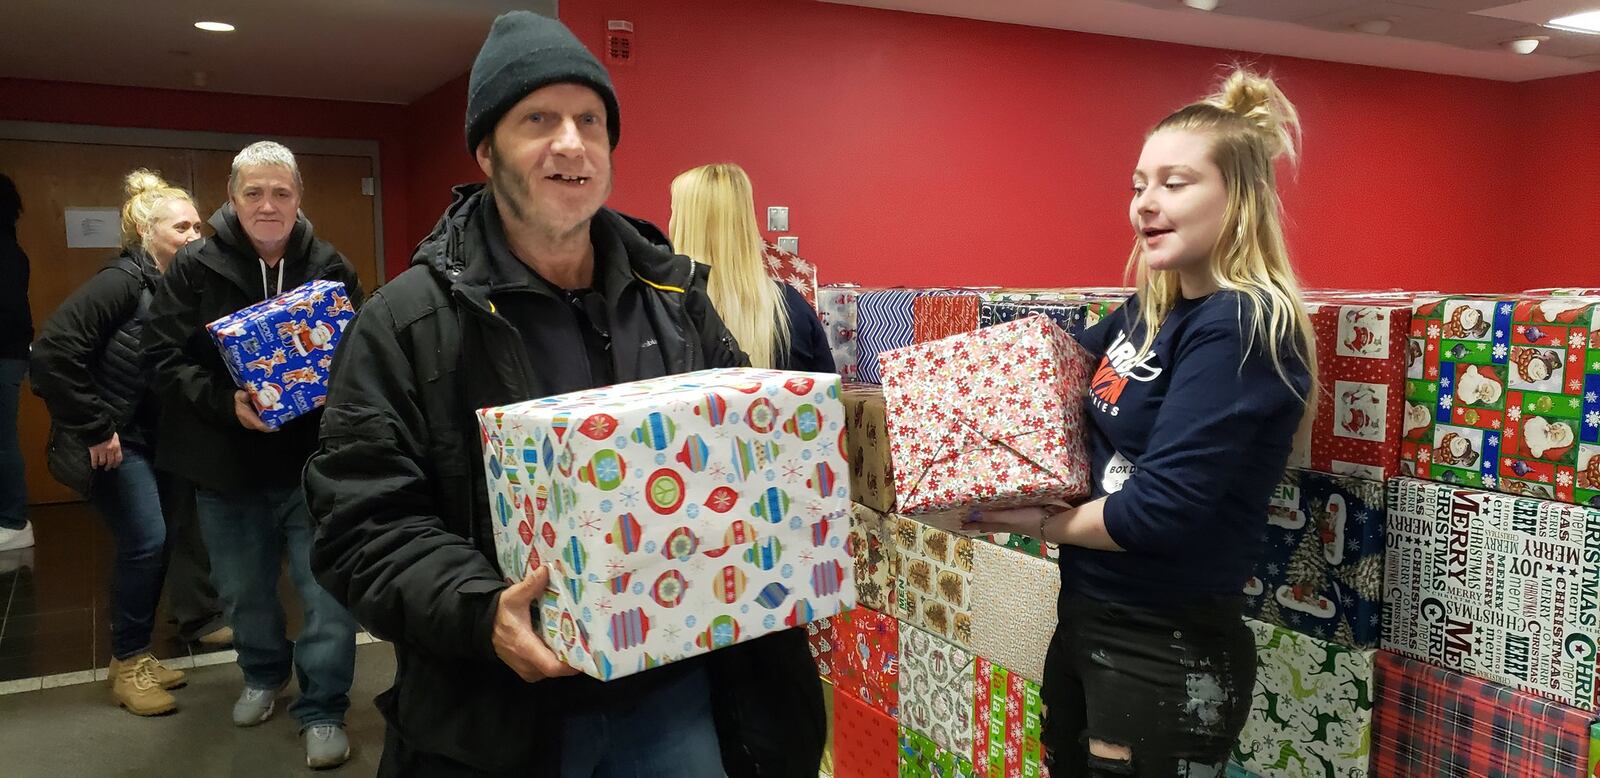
<point>390,51</point>
<point>1456,37</point>
<point>394,51</point>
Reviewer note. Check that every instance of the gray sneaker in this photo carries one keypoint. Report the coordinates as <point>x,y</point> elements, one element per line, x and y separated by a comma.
<point>326,746</point>
<point>255,706</point>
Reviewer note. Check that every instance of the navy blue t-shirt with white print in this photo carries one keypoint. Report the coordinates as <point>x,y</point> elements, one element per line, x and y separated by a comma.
<point>1189,441</point>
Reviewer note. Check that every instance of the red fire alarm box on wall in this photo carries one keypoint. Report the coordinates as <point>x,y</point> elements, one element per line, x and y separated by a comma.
<point>619,42</point>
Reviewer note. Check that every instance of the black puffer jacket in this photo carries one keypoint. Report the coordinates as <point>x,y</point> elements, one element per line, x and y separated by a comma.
<point>405,540</point>
<point>86,364</point>
<point>209,279</point>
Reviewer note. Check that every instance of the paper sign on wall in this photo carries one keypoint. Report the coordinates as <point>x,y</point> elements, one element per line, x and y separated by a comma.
<point>93,228</point>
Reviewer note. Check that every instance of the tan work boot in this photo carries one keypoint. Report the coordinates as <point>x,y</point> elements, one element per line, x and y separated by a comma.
<point>166,676</point>
<point>134,686</point>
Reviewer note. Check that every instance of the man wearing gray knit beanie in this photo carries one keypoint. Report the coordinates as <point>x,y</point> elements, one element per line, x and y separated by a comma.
<point>527,287</point>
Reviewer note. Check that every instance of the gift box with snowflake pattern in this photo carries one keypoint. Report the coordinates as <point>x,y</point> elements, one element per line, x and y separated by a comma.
<point>790,269</point>
<point>678,515</point>
<point>1321,572</point>
<point>1504,394</point>
<point>279,350</point>
<point>1500,587</point>
<point>988,419</point>
<point>1311,715</point>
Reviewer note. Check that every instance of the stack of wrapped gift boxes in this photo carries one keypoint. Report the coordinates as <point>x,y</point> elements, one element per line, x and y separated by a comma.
<point>937,671</point>
<point>1492,574</point>
<point>1316,599</point>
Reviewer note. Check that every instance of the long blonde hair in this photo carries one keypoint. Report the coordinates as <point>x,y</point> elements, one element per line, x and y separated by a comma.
<point>147,192</point>
<point>714,222</point>
<point>1251,124</point>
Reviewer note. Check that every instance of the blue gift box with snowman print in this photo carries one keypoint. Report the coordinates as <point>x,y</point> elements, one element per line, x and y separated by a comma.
<point>279,350</point>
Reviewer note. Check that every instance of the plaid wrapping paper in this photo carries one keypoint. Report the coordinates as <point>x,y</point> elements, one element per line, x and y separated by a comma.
<point>823,640</point>
<point>1433,722</point>
<point>1504,588</point>
<point>884,321</point>
<point>920,757</point>
<point>867,658</point>
<point>877,559</point>
<point>988,419</point>
<point>934,589</point>
<point>938,684</point>
<point>790,269</point>
<point>1361,348</point>
<point>1069,316</point>
<point>867,441</point>
<point>1322,569</point>
<point>1504,393</point>
<point>1010,719</point>
<point>865,740</point>
<point>1312,712</point>
<point>934,317</point>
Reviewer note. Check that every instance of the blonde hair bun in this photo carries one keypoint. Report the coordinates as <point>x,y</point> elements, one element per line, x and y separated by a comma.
<point>1258,101</point>
<point>141,181</point>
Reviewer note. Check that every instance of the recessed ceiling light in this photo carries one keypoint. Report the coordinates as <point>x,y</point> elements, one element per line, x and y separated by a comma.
<point>1524,45</point>
<point>1374,26</point>
<point>214,26</point>
<point>1201,5</point>
<point>1588,21</point>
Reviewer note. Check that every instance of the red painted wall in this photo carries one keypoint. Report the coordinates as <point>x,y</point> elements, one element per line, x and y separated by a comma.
<point>1557,186</point>
<point>115,106</point>
<point>924,150</point>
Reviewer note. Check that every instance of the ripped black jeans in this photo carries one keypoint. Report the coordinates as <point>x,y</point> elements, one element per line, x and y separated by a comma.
<point>1171,684</point>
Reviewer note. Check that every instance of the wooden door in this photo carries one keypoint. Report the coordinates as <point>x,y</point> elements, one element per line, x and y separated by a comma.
<point>333,200</point>
<point>53,176</point>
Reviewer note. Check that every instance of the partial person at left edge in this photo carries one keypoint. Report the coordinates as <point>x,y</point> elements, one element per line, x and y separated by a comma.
<point>16,332</point>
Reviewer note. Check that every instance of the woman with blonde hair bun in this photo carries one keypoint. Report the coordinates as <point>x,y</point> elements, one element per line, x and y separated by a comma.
<point>1204,378</point>
<point>88,368</point>
<point>714,223</point>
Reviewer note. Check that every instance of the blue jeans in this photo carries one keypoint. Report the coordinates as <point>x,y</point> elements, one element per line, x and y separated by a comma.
<point>13,487</point>
<point>668,733</point>
<point>129,500</point>
<point>248,534</point>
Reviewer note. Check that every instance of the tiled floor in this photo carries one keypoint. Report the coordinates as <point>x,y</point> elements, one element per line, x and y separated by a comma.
<point>53,600</point>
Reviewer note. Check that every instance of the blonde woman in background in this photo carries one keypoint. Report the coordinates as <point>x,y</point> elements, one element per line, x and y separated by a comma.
<point>1204,379</point>
<point>88,368</point>
<point>714,223</point>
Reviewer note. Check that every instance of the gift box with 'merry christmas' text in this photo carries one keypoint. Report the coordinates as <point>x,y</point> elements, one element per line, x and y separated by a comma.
<point>988,419</point>
<point>678,515</point>
<point>1504,588</point>
<point>279,350</point>
<point>1504,394</point>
